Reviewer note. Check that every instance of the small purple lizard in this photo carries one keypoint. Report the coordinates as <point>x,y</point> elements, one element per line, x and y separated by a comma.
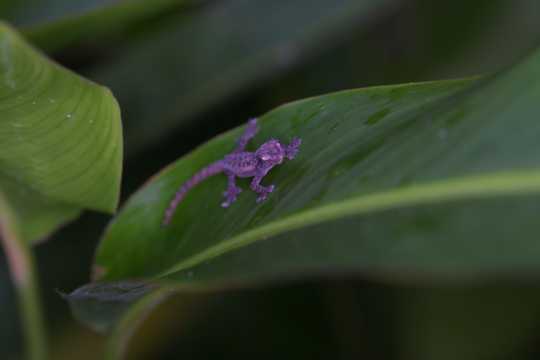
<point>242,164</point>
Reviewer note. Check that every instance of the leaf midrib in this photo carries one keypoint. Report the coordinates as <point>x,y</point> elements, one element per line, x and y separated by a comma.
<point>502,183</point>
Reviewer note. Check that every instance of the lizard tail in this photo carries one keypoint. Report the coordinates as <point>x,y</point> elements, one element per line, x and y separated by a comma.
<point>199,177</point>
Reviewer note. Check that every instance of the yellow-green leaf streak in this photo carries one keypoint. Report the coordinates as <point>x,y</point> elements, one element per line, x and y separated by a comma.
<point>22,268</point>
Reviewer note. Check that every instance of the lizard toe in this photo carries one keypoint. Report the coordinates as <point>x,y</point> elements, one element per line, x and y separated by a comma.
<point>262,197</point>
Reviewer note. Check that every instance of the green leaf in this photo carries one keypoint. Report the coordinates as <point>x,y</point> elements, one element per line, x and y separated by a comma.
<point>208,55</point>
<point>420,180</point>
<point>342,133</point>
<point>55,24</point>
<point>60,140</point>
<point>60,152</point>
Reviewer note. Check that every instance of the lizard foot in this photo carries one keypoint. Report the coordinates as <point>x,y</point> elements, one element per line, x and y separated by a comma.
<point>263,195</point>
<point>230,196</point>
<point>292,148</point>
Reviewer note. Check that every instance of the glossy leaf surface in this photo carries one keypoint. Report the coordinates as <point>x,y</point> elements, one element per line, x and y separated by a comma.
<point>340,132</point>
<point>387,181</point>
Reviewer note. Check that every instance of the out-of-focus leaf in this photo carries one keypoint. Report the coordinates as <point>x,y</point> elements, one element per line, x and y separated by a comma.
<point>217,322</point>
<point>54,24</point>
<point>440,323</point>
<point>397,51</point>
<point>197,60</point>
<point>60,140</point>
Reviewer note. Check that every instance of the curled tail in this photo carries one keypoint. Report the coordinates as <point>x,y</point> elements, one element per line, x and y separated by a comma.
<point>199,177</point>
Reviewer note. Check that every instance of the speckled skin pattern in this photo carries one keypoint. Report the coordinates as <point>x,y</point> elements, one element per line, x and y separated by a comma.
<point>242,164</point>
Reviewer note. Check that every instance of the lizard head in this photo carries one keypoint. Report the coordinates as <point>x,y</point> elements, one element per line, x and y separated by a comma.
<point>271,152</point>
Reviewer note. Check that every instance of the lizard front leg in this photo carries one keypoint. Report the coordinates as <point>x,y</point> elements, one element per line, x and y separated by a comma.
<point>232,190</point>
<point>292,149</point>
<point>249,133</point>
<point>263,191</point>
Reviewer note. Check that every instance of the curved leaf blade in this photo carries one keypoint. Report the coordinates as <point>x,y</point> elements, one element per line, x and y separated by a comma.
<point>60,140</point>
<point>370,158</point>
<point>342,119</point>
<point>443,186</point>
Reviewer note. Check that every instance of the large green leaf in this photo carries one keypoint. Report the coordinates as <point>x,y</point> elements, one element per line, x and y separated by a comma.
<point>60,152</point>
<point>194,61</point>
<point>342,135</point>
<point>412,182</point>
<point>60,140</point>
<point>417,179</point>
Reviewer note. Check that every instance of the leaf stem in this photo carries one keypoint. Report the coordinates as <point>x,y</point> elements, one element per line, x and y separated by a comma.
<point>22,269</point>
<point>32,316</point>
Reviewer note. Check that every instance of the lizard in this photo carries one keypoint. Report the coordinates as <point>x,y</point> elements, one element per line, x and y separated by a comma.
<point>242,164</point>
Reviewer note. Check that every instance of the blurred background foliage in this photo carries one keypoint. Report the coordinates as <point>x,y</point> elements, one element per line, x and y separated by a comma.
<point>184,71</point>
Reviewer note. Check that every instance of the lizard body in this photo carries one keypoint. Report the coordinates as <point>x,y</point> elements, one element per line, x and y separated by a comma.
<point>242,164</point>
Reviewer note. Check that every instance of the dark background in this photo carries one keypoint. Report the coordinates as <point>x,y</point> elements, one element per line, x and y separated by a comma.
<point>338,317</point>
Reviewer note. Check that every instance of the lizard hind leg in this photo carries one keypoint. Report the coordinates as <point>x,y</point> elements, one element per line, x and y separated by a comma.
<point>232,190</point>
<point>262,191</point>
